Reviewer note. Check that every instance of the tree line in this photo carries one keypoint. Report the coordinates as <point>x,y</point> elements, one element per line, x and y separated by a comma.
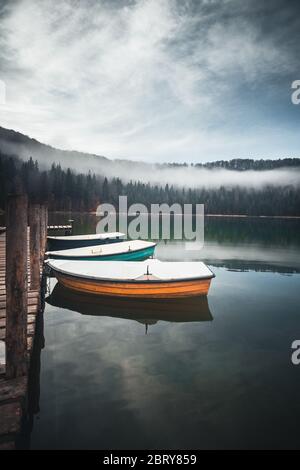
<point>241,164</point>
<point>66,190</point>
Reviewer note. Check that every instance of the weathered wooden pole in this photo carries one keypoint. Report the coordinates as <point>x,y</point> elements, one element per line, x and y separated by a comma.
<point>46,224</point>
<point>43,231</point>
<point>16,286</point>
<point>35,253</point>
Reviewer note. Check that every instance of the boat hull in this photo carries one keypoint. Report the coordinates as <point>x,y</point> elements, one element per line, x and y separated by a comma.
<point>145,289</point>
<point>193,309</point>
<point>133,255</point>
<point>56,245</point>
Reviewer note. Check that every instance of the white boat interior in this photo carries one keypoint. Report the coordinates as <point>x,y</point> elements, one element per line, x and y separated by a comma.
<point>93,236</point>
<point>104,250</point>
<point>132,270</point>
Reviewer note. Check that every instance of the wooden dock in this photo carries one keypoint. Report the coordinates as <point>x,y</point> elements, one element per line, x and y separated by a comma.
<point>14,376</point>
<point>59,227</point>
<point>50,227</point>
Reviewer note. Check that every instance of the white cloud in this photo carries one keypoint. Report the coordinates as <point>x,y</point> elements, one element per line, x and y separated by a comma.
<point>146,80</point>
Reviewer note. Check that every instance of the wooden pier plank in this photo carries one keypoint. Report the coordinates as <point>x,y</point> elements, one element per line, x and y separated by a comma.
<point>10,418</point>
<point>14,391</point>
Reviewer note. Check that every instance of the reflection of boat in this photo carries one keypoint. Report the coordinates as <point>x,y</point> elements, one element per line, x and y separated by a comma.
<point>142,279</point>
<point>126,251</point>
<point>78,241</point>
<point>144,311</point>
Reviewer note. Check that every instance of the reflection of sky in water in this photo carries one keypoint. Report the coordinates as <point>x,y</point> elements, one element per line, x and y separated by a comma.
<point>251,256</point>
<point>223,383</point>
<point>236,243</point>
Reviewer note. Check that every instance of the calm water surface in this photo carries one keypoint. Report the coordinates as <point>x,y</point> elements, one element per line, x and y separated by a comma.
<point>220,379</point>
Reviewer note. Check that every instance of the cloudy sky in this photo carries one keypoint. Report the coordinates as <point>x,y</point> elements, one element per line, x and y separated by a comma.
<point>153,80</point>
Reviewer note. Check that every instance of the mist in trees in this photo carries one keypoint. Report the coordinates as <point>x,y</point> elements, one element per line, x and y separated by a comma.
<point>66,190</point>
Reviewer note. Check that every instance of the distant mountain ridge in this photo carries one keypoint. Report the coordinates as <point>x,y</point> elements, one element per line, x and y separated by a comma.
<point>16,143</point>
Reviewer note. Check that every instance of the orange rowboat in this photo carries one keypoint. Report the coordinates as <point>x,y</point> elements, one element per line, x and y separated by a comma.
<point>148,311</point>
<point>144,279</point>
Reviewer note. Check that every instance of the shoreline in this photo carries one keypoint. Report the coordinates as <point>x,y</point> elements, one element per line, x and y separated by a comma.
<point>243,216</point>
<point>237,216</point>
<point>230,216</point>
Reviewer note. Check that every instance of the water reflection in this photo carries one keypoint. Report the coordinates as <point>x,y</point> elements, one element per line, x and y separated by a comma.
<point>243,244</point>
<point>238,257</point>
<point>147,312</point>
<point>237,230</point>
<point>190,385</point>
<point>33,399</point>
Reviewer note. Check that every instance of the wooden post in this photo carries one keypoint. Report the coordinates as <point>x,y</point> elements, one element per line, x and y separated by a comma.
<point>35,229</point>
<point>16,286</point>
<point>46,224</point>
<point>43,231</point>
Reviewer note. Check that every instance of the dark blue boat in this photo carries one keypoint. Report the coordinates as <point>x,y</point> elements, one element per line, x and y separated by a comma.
<point>80,241</point>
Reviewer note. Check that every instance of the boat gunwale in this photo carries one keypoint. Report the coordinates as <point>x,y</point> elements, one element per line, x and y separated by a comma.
<point>94,236</point>
<point>135,280</point>
<point>57,255</point>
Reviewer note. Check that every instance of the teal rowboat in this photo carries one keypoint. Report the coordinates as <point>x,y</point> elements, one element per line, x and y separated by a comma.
<point>134,250</point>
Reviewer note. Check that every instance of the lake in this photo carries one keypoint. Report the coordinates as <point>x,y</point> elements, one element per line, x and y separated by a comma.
<point>222,379</point>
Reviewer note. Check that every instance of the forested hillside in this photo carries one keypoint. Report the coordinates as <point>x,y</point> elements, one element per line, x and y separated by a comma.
<point>14,143</point>
<point>65,189</point>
